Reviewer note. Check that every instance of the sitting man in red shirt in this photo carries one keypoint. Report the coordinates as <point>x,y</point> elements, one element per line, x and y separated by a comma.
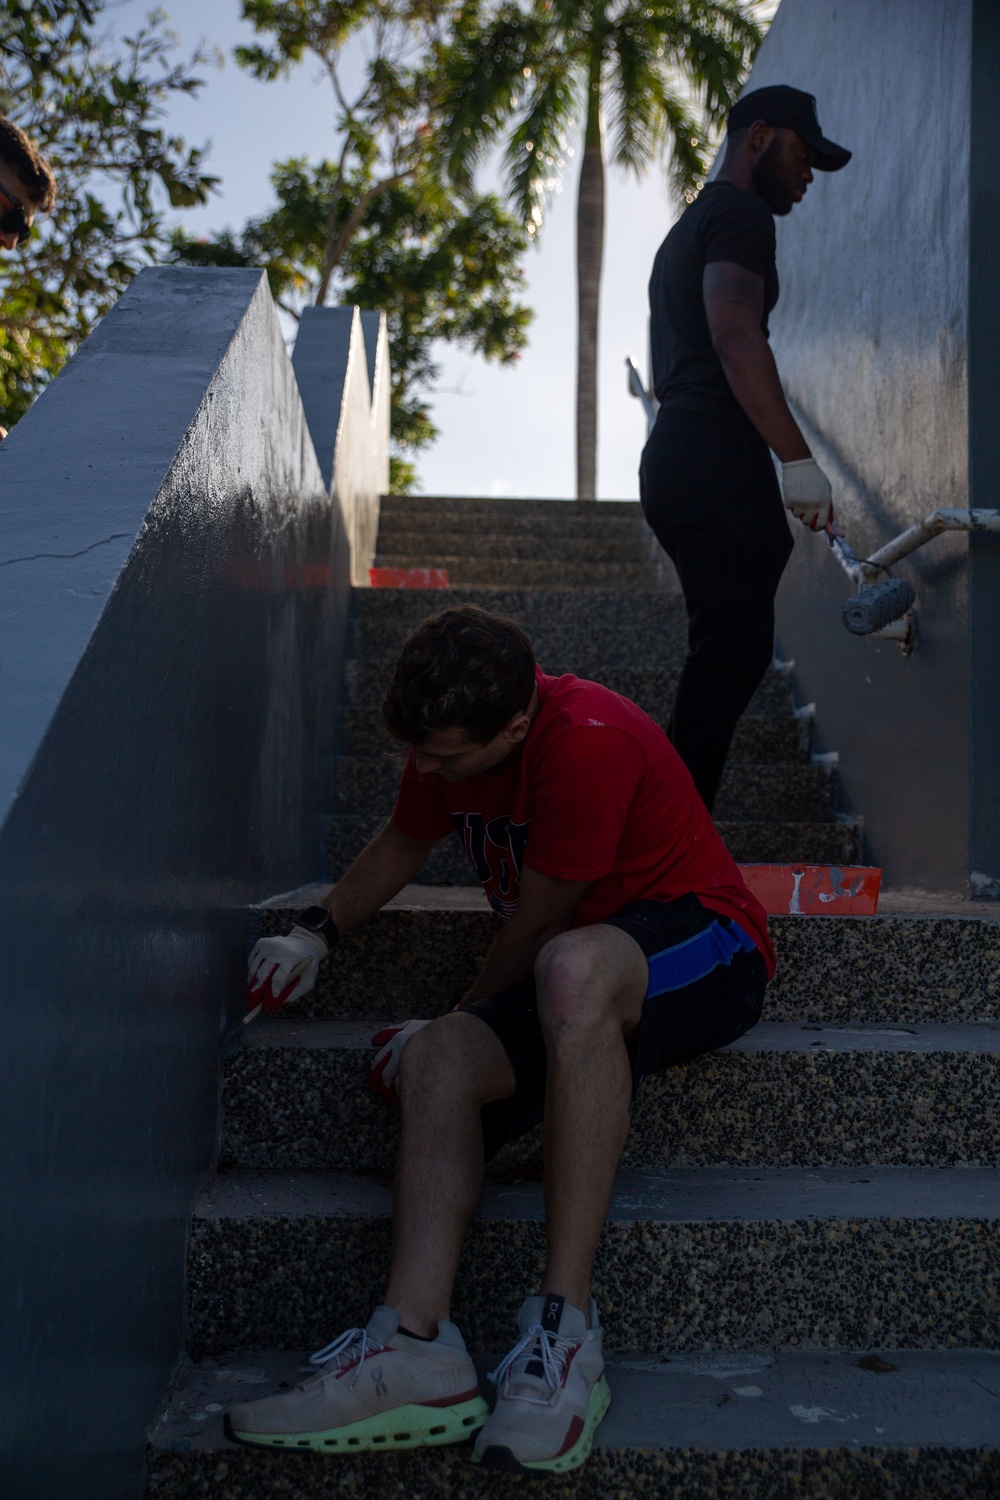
<point>630,943</point>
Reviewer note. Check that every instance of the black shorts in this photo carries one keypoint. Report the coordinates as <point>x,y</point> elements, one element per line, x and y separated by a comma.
<point>706,988</point>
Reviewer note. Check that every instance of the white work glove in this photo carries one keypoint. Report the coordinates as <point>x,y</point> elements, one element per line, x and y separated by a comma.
<point>384,1076</point>
<point>807,493</point>
<point>283,969</point>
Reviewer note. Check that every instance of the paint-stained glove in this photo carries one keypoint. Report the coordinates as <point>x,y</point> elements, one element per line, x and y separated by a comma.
<point>384,1076</point>
<point>807,493</point>
<point>283,969</point>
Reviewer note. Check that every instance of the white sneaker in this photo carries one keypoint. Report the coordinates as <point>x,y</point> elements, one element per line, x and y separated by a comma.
<point>374,1388</point>
<point>551,1391</point>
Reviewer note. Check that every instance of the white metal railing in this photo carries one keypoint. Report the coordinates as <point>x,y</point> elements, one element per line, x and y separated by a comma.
<point>883,605</point>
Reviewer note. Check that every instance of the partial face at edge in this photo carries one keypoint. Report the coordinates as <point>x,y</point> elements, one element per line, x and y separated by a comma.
<point>10,179</point>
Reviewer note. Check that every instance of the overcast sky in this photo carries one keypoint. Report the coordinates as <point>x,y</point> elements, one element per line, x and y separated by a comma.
<point>503,432</point>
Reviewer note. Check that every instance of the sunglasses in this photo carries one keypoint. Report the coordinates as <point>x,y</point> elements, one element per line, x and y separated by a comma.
<point>14,220</point>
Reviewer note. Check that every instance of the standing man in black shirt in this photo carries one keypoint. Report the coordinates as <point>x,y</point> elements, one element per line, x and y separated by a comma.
<point>707,482</point>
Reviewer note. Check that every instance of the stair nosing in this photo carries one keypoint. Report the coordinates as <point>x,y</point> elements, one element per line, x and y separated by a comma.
<point>712,1402</point>
<point>672,1195</point>
<point>779,1038</point>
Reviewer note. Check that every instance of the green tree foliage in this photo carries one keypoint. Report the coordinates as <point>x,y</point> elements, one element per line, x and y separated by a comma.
<point>92,108</point>
<point>545,76</point>
<point>379,224</point>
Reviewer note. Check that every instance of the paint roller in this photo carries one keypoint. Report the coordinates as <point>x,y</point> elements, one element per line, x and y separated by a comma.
<point>876,605</point>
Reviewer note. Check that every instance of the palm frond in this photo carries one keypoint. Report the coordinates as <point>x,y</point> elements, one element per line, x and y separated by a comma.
<point>712,43</point>
<point>537,148</point>
<point>687,158</point>
<point>634,96</point>
<point>488,72</point>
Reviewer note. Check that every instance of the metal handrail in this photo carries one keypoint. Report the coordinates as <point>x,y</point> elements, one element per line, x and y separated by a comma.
<point>952,518</point>
<point>864,571</point>
<point>637,388</point>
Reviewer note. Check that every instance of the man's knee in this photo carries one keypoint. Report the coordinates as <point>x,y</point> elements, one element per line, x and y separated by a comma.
<point>452,1058</point>
<point>573,989</point>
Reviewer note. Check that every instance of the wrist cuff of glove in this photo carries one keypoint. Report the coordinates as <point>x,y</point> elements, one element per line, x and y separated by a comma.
<point>797,463</point>
<point>317,919</point>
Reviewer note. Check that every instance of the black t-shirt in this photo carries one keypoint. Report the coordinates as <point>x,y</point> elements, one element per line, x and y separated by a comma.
<point>723,223</point>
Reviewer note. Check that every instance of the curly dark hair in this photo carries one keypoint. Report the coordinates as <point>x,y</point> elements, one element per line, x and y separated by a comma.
<point>24,159</point>
<point>463,668</point>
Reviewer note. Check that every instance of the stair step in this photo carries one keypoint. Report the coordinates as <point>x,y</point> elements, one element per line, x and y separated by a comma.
<point>609,524</point>
<point>296,1098</point>
<point>749,843</point>
<point>761,793</point>
<point>884,1257</point>
<point>756,1425</point>
<point>839,970</point>
<point>560,646</point>
<point>532,572</point>
<point>787,843</point>
<point>627,625</point>
<point>619,544</point>
<point>784,740</point>
<point>490,509</point>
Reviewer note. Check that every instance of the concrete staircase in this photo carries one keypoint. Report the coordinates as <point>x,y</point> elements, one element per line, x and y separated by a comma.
<point>800,1276</point>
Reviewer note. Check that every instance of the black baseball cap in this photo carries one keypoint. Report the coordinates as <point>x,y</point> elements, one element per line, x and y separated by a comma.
<point>779,104</point>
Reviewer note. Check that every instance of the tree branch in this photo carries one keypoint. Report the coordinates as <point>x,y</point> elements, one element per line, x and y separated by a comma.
<point>335,251</point>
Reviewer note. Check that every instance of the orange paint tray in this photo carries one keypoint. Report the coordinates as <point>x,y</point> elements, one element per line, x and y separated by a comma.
<point>408,578</point>
<point>815,890</point>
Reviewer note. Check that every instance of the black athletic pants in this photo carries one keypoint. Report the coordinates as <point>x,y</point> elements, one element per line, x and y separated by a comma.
<point>710,493</point>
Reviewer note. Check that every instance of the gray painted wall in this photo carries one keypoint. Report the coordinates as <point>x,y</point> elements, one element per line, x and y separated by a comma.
<point>871,336</point>
<point>173,585</point>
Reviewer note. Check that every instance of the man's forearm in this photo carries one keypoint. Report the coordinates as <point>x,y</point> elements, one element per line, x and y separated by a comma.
<point>752,374</point>
<point>380,872</point>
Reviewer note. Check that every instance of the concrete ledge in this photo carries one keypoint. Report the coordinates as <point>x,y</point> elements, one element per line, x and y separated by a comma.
<point>698,1426</point>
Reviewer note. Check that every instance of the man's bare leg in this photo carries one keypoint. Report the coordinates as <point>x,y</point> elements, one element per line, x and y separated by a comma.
<point>448,1071</point>
<point>591,987</point>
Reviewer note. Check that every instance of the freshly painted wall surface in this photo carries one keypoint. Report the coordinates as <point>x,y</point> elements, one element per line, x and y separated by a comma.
<point>173,587</point>
<point>871,336</point>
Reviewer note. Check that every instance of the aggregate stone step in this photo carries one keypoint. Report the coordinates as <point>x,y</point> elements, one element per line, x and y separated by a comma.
<point>907,1424</point>
<point>628,626</point>
<point>553,572</point>
<point>690,1259</point>
<point>608,544</point>
<point>296,1098</point>
<point>495,511</point>
<point>785,740</point>
<point>551,527</point>
<point>749,842</point>
<point>788,843</point>
<point>761,793</point>
<point>570,646</point>
<point>420,953</point>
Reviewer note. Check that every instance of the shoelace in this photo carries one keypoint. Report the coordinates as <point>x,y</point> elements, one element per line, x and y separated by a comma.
<point>552,1350</point>
<point>344,1346</point>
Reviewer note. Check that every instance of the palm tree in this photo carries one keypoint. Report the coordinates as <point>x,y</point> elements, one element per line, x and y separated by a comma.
<point>664,72</point>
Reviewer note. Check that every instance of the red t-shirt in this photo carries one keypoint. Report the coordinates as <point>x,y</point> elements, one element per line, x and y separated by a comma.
<point>598,794</point>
